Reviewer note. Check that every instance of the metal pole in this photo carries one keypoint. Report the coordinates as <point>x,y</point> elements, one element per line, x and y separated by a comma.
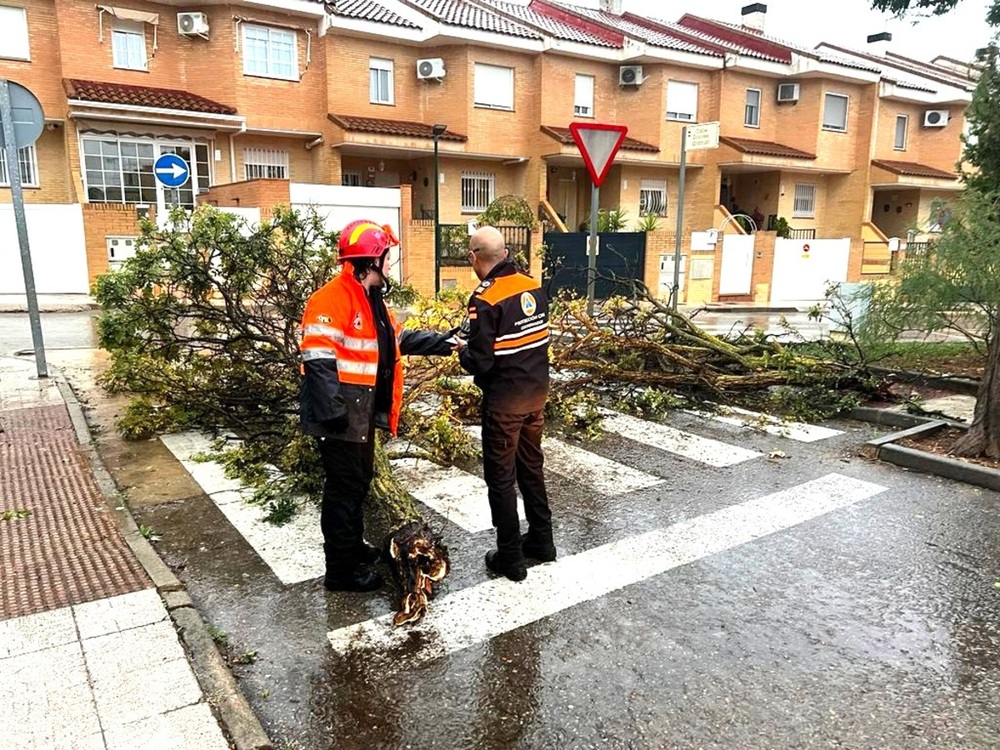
<point>675,295</point>
<point>592,249</point>
<point>437,221</point>
<point>17,196</point>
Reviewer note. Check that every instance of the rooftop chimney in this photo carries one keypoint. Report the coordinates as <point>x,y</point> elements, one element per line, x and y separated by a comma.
<point>753,16</point>
<point>878,44</point>
<point>612,6</point>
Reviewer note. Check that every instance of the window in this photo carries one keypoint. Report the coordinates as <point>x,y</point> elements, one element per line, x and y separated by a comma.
<point>477,191</point>
<point>120,170</point>
<point>380,81</point>
<point>493,87</point>
<point>901,124</point>
<point>805,202</point>
<point>13,33</point>
<point>835,112</point>
<point>263,163</point>
<point>351,179</point>
<point>128,44</point>
<point>583,97</point>
<point>270,52</point>
<point>27,161</point>
<point>751,113</point>
<point>682,101</point>
<point>653,197</point>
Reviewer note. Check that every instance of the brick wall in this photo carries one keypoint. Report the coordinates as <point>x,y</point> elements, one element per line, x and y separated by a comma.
<point>264,194</point>
<point>101,221</point>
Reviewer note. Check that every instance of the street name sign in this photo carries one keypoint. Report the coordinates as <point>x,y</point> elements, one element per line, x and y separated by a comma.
<point>702,136</point>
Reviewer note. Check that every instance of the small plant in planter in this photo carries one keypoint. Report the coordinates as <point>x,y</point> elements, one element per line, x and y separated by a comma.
<point>781,227</point>
<point>647,223</point>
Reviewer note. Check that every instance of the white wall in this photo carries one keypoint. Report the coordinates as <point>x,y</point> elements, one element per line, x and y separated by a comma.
<point>58,249</point>
<point>339,205</point>
<point>802,275</point>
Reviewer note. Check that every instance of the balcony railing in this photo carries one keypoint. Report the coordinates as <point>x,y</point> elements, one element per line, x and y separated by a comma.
<point>455,244</point>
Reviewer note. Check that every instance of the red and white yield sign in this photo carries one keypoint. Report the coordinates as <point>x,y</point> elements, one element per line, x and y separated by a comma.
<point>598,144</point>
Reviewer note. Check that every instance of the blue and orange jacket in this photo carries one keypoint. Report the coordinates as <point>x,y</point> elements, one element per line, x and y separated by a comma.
<point>507,350</point>
<point>340,361</point>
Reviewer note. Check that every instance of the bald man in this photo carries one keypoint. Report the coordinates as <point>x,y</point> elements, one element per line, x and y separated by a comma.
<point>507,351</point>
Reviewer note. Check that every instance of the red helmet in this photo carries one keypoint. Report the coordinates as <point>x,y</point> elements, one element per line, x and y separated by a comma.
<point>365,239</point>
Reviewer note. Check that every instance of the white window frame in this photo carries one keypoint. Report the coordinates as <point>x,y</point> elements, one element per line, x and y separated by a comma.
<point>380,87</point>
<point>15,43</point>
<point>680,105</point>
<point>833,128</point>
<point>27,159</point>
<point>751,112</point>
<point>128,45</point>
<point>896,145</point>
<point>352,178</point>
<point>265,164</point>
<point>583,97</point>
<point>651,187</point>
<point>800,198</point>
<point>254,36</point>
<point>479,193</point>
<point>493,87</point>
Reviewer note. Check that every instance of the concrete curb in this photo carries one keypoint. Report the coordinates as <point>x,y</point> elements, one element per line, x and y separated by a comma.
<point>965,386</point>
<point>883,448</point>
<point>214,676</point>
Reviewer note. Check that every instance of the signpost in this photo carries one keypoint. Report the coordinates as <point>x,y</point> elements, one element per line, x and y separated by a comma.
<point>22,121</point>
<point>693,138</point>
<point>598,145</point>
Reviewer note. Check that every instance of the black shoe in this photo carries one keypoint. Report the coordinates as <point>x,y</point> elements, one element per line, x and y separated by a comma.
<point>541,551</point>
<point>367,554</point>
<point>513,571</point>
<point>362,579</point>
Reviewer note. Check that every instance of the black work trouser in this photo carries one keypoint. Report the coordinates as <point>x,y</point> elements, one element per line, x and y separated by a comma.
<point>512,455</point>
<point>349,469</point>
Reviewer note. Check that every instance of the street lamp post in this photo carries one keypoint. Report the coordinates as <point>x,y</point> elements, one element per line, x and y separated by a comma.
<point>437,131</point>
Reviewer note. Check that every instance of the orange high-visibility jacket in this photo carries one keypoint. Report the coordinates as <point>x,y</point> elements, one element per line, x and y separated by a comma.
<point>340,359</point>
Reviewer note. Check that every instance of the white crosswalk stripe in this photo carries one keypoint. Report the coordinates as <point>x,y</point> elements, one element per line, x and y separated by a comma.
<point>680,443</point>
<point>478,613</point>
<point>799,431</point>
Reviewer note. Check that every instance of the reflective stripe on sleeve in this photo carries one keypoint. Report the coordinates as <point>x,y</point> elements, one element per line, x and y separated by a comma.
<point>318,329</point>
<point>358,368</point>
<point>311,354</point>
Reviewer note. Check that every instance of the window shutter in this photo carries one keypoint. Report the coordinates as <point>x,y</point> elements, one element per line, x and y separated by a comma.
<point>583,98</point>
<point>835,112</point>
<point>13,32</point>
<point>493,86</point>
<point>682,100</point>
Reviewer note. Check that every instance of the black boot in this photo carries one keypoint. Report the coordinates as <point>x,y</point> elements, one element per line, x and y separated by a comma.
<point>538,547</point>
<point>367,554</point>
<point>512,569</point>
<point>362,578</point>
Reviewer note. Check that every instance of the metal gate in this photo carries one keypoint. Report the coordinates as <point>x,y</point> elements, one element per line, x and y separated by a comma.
<point>621,261</point>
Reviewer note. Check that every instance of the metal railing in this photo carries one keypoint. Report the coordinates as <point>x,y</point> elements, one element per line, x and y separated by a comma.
<point>454,246</point>
<point>801,234</point>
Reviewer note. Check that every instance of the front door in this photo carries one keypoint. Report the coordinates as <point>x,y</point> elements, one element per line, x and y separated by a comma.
<point>168,198</point>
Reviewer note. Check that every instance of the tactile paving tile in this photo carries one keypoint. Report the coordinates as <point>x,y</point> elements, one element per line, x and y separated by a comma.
<point>69,550</point>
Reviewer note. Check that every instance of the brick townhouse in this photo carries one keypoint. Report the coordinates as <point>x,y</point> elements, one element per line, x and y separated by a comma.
<point>838,142</point>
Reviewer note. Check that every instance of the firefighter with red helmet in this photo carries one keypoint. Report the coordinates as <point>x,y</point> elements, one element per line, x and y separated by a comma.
<point>352,383</point>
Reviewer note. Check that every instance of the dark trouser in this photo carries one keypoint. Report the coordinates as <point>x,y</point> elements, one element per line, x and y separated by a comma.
<point>512,453</point>
<point>349,469</point>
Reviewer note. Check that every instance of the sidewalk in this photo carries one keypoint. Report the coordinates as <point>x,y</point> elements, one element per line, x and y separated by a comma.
<point>89,654</point>
<point>48,303</point>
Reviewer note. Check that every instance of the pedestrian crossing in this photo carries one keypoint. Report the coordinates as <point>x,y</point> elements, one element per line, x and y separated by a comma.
<point>294,551</point>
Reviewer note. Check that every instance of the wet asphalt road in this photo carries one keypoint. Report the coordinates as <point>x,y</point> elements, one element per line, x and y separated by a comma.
<point>874,626</point>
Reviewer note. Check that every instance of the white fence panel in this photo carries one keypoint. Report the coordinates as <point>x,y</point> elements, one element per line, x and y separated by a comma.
<point>338,205</point>
<point>736,273</point>
<point>804,268</point>
<point>58,249</point>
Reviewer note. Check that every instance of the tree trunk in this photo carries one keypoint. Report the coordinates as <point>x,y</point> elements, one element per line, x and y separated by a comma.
<point>983,436</point>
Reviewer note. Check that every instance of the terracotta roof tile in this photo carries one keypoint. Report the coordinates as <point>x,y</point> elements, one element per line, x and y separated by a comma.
<point>566,138</point>
<point>766,148</point>
<point>658,37</point>
<point>558,23</point>
<point>367,10</point>
<point>912,169</point>
<point>391,127</point>
<point>467,15</point>
<point>142,96</point>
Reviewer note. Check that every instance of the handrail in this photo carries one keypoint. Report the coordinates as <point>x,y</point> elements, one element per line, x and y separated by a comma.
<point>550,212</point>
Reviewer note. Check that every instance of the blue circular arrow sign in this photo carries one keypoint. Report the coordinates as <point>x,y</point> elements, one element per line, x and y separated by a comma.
<point>171,171</point>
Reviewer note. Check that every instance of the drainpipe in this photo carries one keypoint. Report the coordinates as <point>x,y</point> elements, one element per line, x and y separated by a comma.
<point>314,143</point>
<point>232,150</point>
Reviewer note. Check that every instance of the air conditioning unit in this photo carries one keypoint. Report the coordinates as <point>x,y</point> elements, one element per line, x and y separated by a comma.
<point>430,68</point>
<point>788,92</point>
<point>935,118</point>
<point>630,75</point>
<point>192,24</point>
